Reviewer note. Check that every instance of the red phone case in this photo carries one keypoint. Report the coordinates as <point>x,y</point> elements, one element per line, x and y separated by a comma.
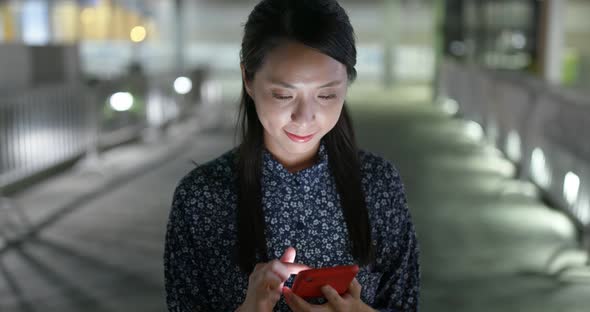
<point>308,283</point>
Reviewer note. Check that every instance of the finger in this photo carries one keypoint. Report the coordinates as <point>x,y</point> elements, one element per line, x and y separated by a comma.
<point>295,302</point>
<point>271,280</point>
<point>295,268</point>
<point>285,269</point>
<point>355,288</point>
<point>288,255</point>
<point>275,295</point>
<point>333,297</point>
<point>279,268</point>
<point>255,275</point>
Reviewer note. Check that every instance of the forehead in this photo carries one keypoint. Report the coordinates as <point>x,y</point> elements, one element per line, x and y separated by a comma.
<point>294,62</point>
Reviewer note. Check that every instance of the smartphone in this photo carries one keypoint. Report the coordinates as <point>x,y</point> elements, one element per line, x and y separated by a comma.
<point>308,283</point>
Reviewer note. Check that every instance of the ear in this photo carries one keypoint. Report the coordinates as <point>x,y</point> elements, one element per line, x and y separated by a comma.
<point>246,82</point>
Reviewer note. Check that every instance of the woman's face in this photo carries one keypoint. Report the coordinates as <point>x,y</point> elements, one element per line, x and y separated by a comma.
<point>299,93</point>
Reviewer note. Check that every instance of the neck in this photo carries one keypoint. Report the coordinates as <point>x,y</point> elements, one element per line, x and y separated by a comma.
<point>293,162</point>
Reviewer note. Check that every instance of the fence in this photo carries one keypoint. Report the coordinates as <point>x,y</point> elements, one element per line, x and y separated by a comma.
<point>543,129</point>
<point>43,127</point>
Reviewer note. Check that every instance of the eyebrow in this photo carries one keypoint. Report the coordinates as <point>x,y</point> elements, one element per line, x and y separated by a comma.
<point>286,85</point>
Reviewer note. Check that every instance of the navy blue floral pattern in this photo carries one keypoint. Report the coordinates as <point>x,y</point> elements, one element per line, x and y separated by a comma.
<point>302,210</point>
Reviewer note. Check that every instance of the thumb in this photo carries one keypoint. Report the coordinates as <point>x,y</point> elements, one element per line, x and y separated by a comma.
<point>288,255</point>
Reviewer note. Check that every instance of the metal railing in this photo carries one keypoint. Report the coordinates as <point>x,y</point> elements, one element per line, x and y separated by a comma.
<point>43,127</point>
<point>541,128</point>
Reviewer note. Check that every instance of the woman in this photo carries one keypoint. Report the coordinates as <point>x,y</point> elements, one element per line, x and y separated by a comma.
<point>297,193</point>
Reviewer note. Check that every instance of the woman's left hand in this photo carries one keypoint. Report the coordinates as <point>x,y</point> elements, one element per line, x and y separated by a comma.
<point>349,302</point>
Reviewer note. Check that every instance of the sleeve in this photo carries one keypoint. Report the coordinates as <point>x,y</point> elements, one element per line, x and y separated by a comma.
<point>181,268</point>
<point>400,284</point>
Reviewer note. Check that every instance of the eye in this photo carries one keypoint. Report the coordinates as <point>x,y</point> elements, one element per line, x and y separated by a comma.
<point>281,97</point>
<point>327,97</point>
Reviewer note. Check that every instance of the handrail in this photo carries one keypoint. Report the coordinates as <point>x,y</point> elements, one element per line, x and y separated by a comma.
<point>542,128</point>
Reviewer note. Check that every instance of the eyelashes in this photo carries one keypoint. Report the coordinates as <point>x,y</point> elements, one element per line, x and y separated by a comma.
<point>282,97</point>
<point>288,97</point>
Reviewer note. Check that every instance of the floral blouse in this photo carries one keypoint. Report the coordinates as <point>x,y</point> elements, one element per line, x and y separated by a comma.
<point>302,210</point>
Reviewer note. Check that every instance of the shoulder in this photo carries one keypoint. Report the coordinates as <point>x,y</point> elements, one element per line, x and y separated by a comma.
<point>383,186</point>
<point>201,203</point>
<point>377,170</point>
<point>210,181</point>
<point>218,170</point>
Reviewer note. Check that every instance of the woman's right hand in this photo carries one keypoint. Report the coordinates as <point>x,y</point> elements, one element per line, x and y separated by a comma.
<point>265,284</point>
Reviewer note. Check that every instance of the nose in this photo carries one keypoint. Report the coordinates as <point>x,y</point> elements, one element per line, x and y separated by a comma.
<point>304,112</point>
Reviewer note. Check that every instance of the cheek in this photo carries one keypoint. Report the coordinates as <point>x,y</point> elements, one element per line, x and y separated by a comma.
<point>330,116</point>
<point>272,116</point>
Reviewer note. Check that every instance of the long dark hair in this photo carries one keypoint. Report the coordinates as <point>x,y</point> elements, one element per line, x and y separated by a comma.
<point>324,26</point>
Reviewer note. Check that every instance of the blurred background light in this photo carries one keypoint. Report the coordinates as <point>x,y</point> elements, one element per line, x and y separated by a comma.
<point>539,168</point>
<point>474,130</point>
<point>450,106</point>
<point>138,34</point>
<point>518,40</point>
<point>121,101</point>
<point>212,91</point>
<point>571,187</point>
<point>513,146</point>
<point>183,85</point>
<point>35,22</point>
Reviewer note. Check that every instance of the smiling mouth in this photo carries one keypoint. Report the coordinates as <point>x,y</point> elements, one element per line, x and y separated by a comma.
<point>298,138</point>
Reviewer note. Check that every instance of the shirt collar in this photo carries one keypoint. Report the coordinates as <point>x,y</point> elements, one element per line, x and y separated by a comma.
<point>272,167</point>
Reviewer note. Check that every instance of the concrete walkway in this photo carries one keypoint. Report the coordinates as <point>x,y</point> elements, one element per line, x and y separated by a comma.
<point>487,243</point>
<point>104,254</point>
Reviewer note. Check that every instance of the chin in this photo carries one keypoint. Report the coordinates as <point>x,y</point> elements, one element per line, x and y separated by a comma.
<point>299,148</point>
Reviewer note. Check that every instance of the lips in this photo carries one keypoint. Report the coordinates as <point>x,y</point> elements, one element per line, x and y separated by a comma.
<point>298,138</point>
